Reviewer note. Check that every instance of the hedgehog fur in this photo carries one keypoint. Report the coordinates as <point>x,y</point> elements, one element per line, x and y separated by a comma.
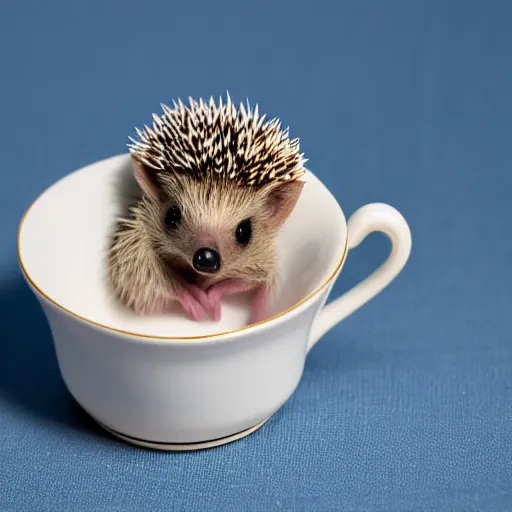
<point>218,170</point>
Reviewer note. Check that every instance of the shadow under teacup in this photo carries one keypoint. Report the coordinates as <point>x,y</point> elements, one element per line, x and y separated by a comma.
<point>165,381</point>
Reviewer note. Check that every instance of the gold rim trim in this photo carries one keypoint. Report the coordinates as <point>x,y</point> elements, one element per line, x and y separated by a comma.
<point>169,338</point>
<point>182,447</point>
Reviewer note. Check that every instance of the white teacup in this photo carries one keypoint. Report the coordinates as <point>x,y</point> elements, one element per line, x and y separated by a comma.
<point>168,382</point>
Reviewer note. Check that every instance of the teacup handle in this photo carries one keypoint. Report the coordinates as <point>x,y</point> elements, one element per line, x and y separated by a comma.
<point>367,219</point>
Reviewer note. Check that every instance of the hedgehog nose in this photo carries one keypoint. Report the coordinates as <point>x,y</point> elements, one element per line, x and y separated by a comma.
<point>206,260</point>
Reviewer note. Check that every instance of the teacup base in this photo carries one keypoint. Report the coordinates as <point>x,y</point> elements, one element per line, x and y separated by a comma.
<point>181,447</point>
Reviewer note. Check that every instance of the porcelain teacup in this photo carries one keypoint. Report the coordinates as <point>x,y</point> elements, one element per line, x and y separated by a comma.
<point>166,381</point>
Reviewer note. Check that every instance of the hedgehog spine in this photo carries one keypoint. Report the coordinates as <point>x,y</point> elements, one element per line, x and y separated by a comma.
<point>205,139</point>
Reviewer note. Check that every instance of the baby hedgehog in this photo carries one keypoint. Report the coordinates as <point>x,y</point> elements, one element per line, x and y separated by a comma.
<point>217,183</point>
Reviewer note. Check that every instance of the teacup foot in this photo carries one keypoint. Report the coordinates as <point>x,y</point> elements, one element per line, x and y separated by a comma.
<point>182,447</point>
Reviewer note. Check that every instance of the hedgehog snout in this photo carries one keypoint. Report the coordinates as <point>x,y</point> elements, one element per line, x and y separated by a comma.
<point>206,260</point>
<point>205,251</point>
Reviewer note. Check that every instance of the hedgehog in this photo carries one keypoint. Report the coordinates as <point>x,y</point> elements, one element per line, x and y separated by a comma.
<point>217,183</point>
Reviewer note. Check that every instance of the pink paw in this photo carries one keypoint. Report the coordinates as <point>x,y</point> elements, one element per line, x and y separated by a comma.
<point>201,297</point>
<point>259,305</point>
<point>219,290</point>
<point>191,301</point>
<point>215,306</point>
<point>190,304</point>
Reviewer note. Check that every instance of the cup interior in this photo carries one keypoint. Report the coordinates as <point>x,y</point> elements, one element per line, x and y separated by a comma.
<point>64,236</point>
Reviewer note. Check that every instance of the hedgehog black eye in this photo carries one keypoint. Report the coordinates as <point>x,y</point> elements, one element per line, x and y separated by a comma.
<point>172,217</point>
<point>244,232</point>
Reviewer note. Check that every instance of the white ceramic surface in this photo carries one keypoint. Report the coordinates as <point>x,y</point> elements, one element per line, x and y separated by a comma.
<point>168,379</point>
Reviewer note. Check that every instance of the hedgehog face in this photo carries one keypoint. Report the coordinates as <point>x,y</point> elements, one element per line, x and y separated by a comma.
<point>220,182</point>
<point>212,230</point>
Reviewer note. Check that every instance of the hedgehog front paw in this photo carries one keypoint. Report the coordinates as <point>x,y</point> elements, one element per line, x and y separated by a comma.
<point>201,297</point>
<point>259,305</point>
<point>228,287</point>
<point>215,306</point>
<point>193,308</point>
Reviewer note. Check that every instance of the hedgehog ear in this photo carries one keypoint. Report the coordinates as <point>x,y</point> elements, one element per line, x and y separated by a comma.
<point>147,179</point>
<point>282,199</point>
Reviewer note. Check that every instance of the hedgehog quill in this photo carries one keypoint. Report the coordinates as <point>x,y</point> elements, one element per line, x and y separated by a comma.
<point>217,184</point>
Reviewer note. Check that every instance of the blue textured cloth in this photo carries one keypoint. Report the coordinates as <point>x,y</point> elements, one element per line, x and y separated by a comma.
<point>405,406</point>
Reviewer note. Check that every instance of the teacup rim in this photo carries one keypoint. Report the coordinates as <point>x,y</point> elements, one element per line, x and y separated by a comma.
<point>268,322</point>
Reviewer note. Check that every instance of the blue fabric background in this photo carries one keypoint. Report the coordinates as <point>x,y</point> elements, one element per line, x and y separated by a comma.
<point>405,406</point>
